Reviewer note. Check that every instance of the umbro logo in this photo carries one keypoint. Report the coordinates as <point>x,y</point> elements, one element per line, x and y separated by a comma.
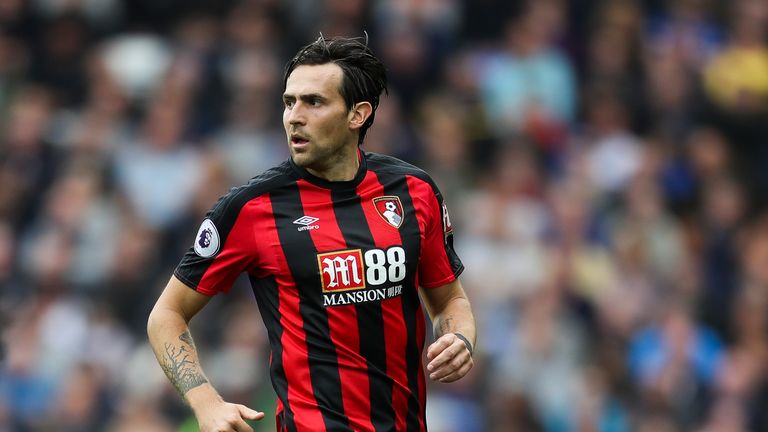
<point>306,220</point>
<point>307,223</point>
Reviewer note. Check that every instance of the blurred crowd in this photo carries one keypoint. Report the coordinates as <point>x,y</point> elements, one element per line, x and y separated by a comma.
<point>605,163</point>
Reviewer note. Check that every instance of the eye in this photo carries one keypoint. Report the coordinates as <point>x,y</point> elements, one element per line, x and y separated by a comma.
<point>315,102</point>
<point>288,103</point>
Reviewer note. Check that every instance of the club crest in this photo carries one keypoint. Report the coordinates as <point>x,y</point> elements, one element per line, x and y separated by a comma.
<point>390,209</point>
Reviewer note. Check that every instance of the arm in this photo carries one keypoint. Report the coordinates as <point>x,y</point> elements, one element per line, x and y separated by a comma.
<point>448,307</point>
<point>175,350</point>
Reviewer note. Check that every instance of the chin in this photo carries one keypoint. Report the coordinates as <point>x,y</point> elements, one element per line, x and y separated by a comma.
<point>302,159</point>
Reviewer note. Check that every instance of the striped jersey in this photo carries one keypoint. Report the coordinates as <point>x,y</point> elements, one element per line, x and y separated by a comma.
<point>335,268</point>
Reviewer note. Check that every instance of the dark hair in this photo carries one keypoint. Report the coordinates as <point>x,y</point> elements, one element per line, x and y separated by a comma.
<point>364,76</point>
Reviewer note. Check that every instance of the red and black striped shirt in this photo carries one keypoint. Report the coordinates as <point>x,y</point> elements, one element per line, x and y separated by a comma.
<point>335,268</point>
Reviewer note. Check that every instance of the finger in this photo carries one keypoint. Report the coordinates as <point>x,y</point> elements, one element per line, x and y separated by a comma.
<point>241,426</point>
<point>447,354</point>
<point>250,414</point>
<point>451,366</point>
<point>448,369</point>
<point>461,373</point>
<point>439,345</point>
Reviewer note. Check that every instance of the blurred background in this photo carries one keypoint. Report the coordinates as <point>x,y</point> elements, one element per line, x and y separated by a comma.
<point>605,162</point>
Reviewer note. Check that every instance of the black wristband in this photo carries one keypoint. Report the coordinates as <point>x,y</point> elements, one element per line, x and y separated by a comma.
<point>466,341</point>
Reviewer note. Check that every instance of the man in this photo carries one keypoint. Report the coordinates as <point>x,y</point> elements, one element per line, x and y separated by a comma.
<point>336,243</point>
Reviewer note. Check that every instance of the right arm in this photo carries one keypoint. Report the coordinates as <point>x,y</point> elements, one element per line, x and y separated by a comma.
<point>168,330</point>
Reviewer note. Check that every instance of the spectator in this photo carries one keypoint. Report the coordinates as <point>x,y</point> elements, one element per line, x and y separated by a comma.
<point>159,151</point>
<point>528,79</point>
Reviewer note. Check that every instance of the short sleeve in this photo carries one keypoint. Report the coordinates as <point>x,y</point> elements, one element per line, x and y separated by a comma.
<point>223,247</point>
<point>439,263</point>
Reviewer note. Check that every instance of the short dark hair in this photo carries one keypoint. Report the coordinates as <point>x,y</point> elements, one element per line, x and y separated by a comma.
<point>364,76</point>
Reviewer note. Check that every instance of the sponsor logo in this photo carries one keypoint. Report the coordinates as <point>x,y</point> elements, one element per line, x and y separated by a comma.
<point>207,239</point>
<point>306,223</point>
<point>351,276</point>
<point>361,296</point>
<point>341,271</point>
<point>390,209</point>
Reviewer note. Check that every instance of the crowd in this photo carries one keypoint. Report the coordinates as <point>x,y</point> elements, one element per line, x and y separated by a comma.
<point>605,163</point>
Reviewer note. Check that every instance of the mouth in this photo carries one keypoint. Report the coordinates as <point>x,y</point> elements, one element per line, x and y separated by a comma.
<point>299,140</point>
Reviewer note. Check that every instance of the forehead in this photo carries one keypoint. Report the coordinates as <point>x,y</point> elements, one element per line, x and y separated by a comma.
<point>322,79</point>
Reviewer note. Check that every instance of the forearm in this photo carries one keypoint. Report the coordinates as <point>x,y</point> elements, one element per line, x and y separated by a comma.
<point>175,351</point>
<point>450,355</point>
<point>455,317</point>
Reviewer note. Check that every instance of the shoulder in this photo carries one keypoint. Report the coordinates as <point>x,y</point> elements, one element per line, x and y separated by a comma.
<point>383,164</point>
<point>237,197</point>
<point>389,165</point>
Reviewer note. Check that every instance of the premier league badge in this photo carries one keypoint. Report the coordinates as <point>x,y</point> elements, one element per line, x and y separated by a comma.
<point>390,208</point>
<point>207,240</point>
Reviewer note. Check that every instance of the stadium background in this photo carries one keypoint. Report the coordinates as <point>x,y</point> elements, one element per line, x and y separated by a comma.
<point>605,162</point>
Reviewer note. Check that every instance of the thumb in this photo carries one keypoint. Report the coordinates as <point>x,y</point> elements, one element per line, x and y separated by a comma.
<point>250,414</point>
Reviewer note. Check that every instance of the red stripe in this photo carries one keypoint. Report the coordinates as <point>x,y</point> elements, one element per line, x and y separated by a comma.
<point>341,319</point>
<point>395,334</point>
<point>301,399</point>
<point>234,257</point>
<point>438,270</point>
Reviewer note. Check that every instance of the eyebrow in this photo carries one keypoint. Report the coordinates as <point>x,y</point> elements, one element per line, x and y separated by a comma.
<point>305,97</point>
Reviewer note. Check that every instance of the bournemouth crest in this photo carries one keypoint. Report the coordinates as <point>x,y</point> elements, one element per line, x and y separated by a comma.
<point>390,208</point>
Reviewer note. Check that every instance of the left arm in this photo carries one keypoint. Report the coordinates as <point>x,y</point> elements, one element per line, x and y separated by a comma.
<point>449,356</point>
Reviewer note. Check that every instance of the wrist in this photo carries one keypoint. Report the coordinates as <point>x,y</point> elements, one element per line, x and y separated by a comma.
<point>202,397</point>
<point>466,341</point>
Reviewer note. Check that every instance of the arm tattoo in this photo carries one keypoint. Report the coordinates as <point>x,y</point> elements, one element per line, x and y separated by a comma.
<point>180,367</point>
<point>187,338</point>
<point>445,325</point>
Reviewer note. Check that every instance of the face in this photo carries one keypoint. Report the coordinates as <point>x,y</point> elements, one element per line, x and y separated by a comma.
<point>316,119</point>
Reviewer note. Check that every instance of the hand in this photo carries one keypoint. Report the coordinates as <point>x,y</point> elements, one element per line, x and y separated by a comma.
<point>220,416</point>
<point>449,359</point>
<point>227,417</point>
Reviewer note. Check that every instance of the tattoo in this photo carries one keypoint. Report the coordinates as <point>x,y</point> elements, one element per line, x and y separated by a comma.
<point>445,325</point>
<point>186,337</point>
<point>180,367</point>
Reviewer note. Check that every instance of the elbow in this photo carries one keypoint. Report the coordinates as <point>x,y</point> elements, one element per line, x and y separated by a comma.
<point>152,321</point>
<point>163,316</point>
<point>156,319</point>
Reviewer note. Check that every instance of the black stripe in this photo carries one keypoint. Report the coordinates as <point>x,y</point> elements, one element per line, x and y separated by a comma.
<point>370,321</point>
<point>396,184</point>
<point>300,253</point>
<point>268,299</point>
<point>224,214</point>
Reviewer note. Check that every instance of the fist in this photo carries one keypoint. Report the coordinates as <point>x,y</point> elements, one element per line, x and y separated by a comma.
<point>449,359</point>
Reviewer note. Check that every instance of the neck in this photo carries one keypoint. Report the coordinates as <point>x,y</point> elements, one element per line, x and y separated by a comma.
<point>342,168</point>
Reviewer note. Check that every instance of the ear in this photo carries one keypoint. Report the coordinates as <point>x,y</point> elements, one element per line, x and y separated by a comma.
<point>359,114</point>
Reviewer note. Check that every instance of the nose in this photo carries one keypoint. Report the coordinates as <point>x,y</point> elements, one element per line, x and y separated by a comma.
<point>295,115</point>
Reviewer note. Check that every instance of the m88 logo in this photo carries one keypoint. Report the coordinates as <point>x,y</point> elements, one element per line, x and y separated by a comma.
<point>352,269</point>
